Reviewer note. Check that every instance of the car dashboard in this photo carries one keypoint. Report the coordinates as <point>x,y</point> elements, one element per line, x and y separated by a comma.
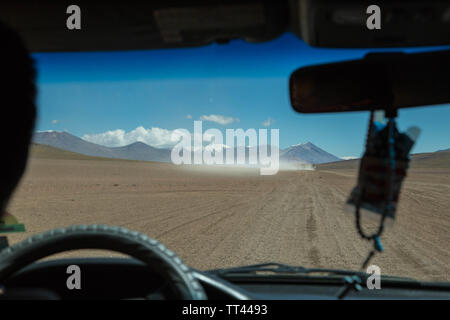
<point>126,278</point>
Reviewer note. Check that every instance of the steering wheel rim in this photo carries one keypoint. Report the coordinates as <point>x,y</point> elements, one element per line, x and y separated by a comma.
<point>137,245</point>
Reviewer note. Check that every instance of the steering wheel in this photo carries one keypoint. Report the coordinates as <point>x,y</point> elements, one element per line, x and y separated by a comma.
<point>181,282</point>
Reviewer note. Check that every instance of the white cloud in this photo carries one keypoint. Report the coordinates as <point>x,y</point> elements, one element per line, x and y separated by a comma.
<point>268,122</point>
<point>217,118</point>
<point>55,121</point>
<point>349,157</point>
<point>188,116</point>
<point>155,137</point>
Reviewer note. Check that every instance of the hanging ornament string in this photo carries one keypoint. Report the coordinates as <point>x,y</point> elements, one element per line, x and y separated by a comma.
<point>390,167</point>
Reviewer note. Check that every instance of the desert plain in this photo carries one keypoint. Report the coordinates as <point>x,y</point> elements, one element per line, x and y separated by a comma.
<point>225,217</point>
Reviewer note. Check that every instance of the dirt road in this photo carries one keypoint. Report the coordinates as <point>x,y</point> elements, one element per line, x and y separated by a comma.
<point>213,219</point>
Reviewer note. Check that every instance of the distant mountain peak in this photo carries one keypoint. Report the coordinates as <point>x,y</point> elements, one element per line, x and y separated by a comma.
<point>302,144</point>
<point>138,143</point>
<point>306,153</point>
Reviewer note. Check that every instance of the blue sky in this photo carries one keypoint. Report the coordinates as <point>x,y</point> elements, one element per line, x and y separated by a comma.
<point>105,96</point>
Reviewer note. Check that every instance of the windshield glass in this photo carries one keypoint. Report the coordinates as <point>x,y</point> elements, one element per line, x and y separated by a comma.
<point>106,151</point>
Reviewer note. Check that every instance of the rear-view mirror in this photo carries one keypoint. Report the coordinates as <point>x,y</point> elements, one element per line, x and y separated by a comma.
<point>379,80</point>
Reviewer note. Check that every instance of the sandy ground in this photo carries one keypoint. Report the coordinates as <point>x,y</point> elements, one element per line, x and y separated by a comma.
<point>218,219</point>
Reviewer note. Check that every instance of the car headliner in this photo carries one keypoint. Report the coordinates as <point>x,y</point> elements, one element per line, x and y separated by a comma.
<point>139,25</point>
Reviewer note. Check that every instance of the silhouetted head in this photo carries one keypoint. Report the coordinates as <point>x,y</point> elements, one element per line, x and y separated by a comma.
<point>17,110</point>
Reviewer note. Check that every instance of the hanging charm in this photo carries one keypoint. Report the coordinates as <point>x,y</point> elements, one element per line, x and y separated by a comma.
<point>382,170</point>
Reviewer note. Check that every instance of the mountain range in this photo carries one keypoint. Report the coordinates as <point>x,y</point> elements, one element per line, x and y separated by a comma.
<point>306,153</point>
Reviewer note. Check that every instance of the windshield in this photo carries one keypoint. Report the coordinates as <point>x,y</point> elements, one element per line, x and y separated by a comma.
<point>153,141</point>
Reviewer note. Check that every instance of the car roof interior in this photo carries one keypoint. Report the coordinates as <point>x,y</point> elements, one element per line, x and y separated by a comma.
<point>139,25</point>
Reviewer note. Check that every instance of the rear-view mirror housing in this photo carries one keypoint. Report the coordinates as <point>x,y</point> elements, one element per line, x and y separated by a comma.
<point>378,81</point>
